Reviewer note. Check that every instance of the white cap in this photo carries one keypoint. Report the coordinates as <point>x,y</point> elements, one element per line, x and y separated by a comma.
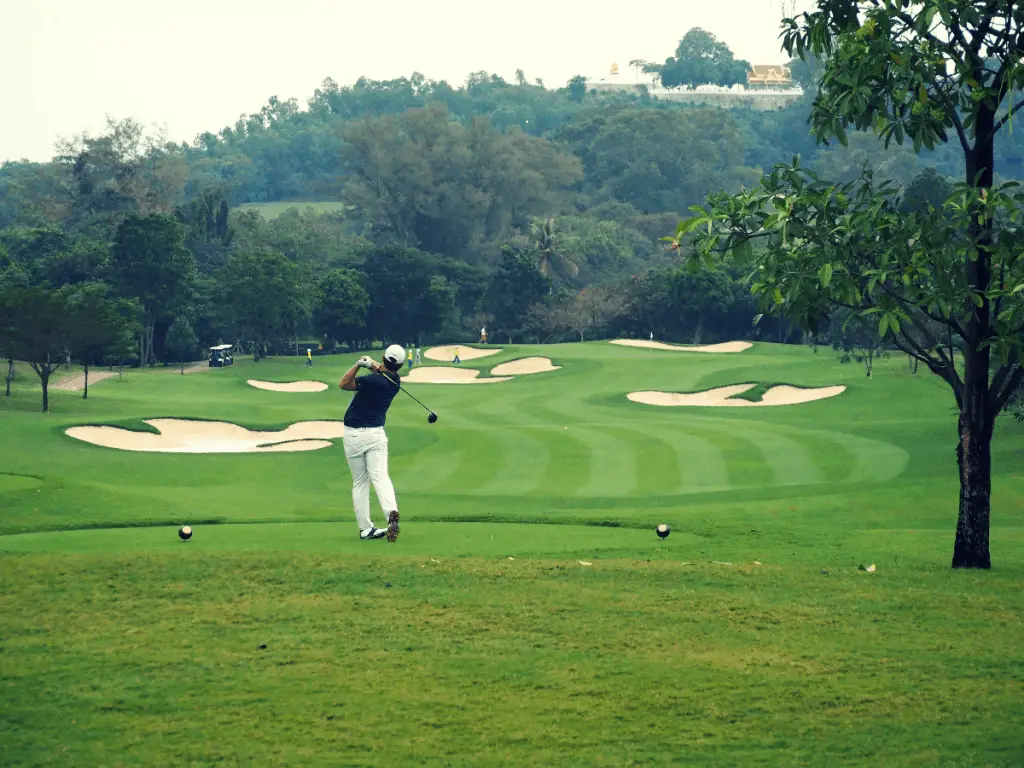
<point>395,354</point>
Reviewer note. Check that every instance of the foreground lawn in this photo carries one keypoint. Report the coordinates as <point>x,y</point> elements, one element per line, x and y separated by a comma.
<point>528,615</point>
<point>271,658</point>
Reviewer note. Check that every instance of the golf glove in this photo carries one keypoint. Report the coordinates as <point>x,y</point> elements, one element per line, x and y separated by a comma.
<point>365,362</point>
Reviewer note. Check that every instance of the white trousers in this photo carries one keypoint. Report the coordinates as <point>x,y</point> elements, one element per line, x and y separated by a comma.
<point>367,452</point>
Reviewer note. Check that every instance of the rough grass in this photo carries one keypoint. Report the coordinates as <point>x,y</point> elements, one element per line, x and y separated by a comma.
<point>493,644</point>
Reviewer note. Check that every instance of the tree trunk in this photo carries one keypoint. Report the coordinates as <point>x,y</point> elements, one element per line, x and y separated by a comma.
<point>974,457</point>
<point>85,391</point>
<point>974,451</point>
<point>698,330</point>
<point>44,377</point>
<point>10,374</point>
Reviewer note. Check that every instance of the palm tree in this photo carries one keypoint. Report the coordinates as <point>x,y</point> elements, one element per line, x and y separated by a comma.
<point>550,260</point>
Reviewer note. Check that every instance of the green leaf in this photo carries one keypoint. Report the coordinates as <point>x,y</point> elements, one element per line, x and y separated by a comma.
<point>841,133</point>
<point>883,324</point>
<point>825,275</point>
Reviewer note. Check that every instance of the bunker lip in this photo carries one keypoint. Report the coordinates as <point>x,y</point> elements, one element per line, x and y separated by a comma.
<point>288,386</point>
<point>726,396</point>
<point>190,436</point>
<point>524,366</point>
<point>442,374</point>
<point>446,354</point>
<point>725,346</point>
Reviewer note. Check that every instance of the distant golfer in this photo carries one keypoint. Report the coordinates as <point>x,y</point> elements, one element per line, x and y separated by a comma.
<point>418,358</point>
<point>309,357</point>
<point>456,361</point>
<point>483,335</point>
<point>366,444</point>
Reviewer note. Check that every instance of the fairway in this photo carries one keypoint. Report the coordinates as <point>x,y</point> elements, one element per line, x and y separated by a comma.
<point>528,614</point>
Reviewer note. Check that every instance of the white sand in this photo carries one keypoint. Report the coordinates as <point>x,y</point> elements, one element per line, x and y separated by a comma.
<point>442,374</point>
<point>725,346</point>
<point>447,354</point>
<point>290,386</point>
<point>725,396</point>
<point>187,436</point>
<point>524,366</point>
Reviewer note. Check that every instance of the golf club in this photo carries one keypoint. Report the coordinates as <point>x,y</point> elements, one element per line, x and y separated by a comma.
<point>431,416</point>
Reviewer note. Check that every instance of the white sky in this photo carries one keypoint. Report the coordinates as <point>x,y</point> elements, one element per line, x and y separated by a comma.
<point>196,65</point>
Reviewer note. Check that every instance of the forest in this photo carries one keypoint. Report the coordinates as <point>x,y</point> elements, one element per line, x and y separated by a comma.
<point>415,211</point>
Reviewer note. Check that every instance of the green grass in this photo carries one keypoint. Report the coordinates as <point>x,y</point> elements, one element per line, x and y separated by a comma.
<point>276,637</point>
<point>271,211</point>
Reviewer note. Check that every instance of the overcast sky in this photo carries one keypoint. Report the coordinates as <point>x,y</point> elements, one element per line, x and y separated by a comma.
<point>196,65</point>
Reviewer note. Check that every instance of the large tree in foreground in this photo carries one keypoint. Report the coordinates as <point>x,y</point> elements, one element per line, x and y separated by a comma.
<point>932,71</point>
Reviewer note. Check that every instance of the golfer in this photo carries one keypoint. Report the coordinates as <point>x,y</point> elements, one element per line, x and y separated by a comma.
<point>366,444</point>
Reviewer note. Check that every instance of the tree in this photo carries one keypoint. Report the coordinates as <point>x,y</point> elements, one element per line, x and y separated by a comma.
<point>181,340</point>
<point>551,259</point>
<point>264,295</point>
<point>100,328</point>
<point>700,59</point>
<point>426,181</point>
<point>935,71</point>
<point>208,234</point>
<point>150,262</point>
<point>658,159</point>
<point>407,297</point>
<point>929,188</point>
<point>699,299</point>
<point>342,305</point>
<point>515,286</point>
<point>7,332</point>
<point>853,338</point>
<point>593,308</point>
<point>41,330</point>
<point>577,87</point>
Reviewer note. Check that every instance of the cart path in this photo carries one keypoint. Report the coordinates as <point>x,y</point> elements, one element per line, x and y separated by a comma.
<point>76,382</point>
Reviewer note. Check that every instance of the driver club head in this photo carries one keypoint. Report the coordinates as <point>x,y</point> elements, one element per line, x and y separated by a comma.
<point>431,418</point>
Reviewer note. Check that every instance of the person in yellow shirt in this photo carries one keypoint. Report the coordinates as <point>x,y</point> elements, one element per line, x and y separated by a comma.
<point>456,361</point>
<point>309,357</point>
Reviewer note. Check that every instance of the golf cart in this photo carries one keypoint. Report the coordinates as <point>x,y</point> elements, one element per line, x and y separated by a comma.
<point>221,356</point>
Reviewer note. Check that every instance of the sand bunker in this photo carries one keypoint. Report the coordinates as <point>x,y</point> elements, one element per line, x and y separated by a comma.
<point>524,366</point>
<point>289,386</point>
<point>186,436</point>
<point>439,374</point>
<point>447,354</point>
<point>725,346</point>
<point>725,396</point>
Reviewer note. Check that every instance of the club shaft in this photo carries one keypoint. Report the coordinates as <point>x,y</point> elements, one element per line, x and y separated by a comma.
<point>403,389</point>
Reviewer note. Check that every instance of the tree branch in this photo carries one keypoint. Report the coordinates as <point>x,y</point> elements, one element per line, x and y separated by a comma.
<point>910,346</point>
<point>1004,385</point>
<point>1006,118</point>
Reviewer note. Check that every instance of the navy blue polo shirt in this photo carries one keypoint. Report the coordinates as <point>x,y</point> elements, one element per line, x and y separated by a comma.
<point>374,393</point>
